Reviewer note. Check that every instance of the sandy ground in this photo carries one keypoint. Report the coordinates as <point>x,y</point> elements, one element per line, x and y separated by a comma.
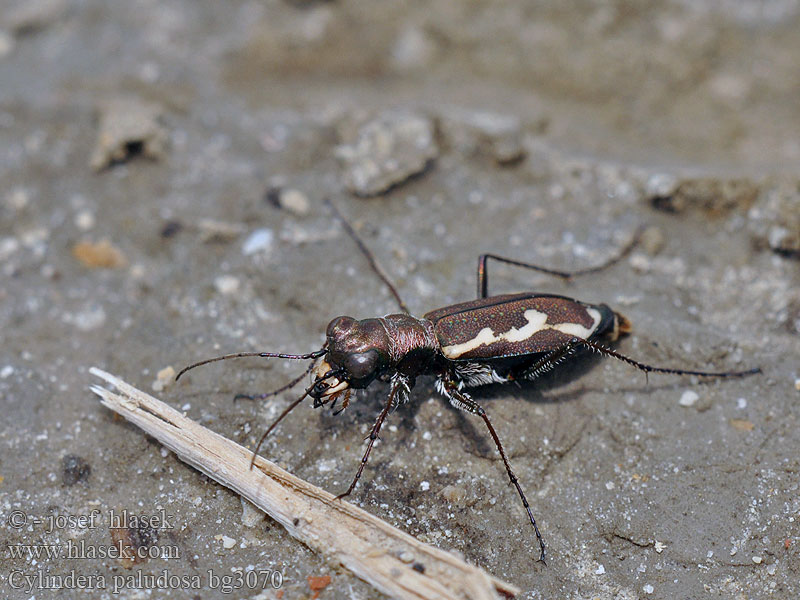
<point>162,171</point>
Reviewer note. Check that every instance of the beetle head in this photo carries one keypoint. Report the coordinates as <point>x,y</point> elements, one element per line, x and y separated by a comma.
<point>357,354</point>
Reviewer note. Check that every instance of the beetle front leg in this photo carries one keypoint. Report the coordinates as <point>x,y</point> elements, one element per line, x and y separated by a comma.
<point>391,402</point>
<point>464,402</point>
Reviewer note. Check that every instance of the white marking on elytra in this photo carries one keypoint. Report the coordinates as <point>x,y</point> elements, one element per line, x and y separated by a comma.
<point>537,321</point>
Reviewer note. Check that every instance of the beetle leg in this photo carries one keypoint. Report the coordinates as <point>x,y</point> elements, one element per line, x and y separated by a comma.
<point>599,348</point>
<point>483,276</point>
<point>550,360</point>
<point>464,402</point>
<point>402,385</point>
<point>390,402</point>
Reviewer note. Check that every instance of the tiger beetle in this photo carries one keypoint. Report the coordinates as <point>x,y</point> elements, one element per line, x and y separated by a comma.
<point>493,339</point>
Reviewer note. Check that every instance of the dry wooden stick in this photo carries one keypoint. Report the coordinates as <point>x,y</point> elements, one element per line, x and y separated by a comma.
<point>373,550</point>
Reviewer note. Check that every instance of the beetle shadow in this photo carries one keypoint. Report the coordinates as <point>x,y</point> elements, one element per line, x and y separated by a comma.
<point>538,390</point>
<point>367,404</point>
<point>548,389</point>
<point>544,389</point>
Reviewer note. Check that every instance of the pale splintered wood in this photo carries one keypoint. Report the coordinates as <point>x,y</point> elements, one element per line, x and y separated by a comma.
<point>372,549</point>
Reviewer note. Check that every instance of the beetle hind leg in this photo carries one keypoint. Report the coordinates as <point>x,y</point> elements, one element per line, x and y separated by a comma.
<point>550,361</point>
<point>600,349</point>
<point>483,259</point>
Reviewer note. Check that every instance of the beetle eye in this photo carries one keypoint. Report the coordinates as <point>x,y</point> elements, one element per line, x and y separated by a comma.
<point>361,365</point>
<point>339,325</point>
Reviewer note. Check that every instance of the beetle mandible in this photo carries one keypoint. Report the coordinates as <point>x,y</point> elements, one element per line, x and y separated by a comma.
<point>493,339</point>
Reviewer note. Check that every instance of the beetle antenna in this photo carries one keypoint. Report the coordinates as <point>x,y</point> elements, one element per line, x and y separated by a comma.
<point>373,262</point>
<point>308,356</point>
<point>283,388</point>
<point>289,409</point>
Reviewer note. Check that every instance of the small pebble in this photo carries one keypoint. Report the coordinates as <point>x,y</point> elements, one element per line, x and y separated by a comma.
<point>659,546</point>
<point>424,486</point>
<point>128,127</point>
<point>774,220</point>
<point>171,228</point>
<point>227,542</point>
<point>163,378</point>
<point>412,49</point>
<point>251,516</point>
<point>453,494</point>
<point>388,151</point>
<point>92,317</point>
<point>648,589</point>
<point>742,424</point>
<point>6,372</point>
<point>688,398</point>
<point>10,245</point>
<point>34,236</point>
<point>317,584</point>
<point>661,185</point>
<point>99,255</point>
<point>640,263</point>
<point>212,231</point>
<point>258,241</point>
<point>653,240</point>
<point>18,198</point>
<point>757,560</point>
<point>600,570</point>
<point>74,469</point>
<point>84,220</point>
<point>326,465</point>
<point>295,202</point>
<point>227,284</point>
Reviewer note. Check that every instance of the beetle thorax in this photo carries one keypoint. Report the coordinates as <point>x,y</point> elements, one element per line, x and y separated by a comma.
<point>409,337</point>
